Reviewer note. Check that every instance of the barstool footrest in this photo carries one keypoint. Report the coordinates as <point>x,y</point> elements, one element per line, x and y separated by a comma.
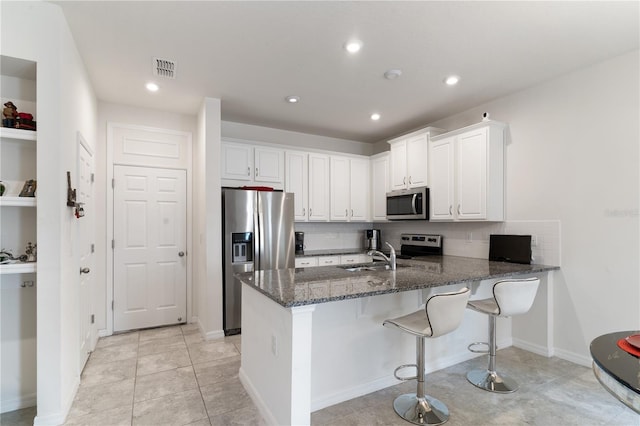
<point>404,379</point>
<point>478,351</point>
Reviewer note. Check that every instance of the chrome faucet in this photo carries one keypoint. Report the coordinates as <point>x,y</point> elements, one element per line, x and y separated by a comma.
<point>391,260</point>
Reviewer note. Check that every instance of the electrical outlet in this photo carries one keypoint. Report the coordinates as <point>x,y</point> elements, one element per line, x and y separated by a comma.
<point>274,345</point>
<point>534,241</point>
<point>469,237</point>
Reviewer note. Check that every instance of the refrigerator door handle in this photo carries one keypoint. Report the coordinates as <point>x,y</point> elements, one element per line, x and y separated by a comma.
<point>258,242</point>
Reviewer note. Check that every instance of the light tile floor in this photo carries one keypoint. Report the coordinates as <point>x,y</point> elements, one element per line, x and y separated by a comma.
<point>170,376</point>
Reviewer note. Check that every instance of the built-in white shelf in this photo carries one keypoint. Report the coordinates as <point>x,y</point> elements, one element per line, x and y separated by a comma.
<point>18,201</point>
<point>25,135</point>
<point>18,268</point>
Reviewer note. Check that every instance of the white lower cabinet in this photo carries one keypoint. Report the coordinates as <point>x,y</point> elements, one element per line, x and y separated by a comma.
<point>345,259</point>
<point>466,174</point>
<point>306,262</point>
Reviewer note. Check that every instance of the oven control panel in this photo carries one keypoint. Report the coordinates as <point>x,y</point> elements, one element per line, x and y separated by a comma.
<point>423,240</point>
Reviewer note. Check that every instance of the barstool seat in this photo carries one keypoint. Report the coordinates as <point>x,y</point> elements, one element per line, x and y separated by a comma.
<point>510,297</point>
<point>442,314</point>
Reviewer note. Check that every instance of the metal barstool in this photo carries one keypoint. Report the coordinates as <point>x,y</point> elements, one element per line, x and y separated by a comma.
<point>510,297</point>
<point>442,314</point>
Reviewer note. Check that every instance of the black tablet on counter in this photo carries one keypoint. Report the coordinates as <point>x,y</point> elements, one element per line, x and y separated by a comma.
<point>510,248</point>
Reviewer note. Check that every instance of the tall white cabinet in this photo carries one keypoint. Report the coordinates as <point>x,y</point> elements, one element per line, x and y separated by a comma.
<point>466,174</point>
<point>349,189</point>
<point>17,228</point>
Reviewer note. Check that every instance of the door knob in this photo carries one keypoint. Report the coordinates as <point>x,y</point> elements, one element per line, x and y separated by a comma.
<point>84,270</point>
<point>181,254</point>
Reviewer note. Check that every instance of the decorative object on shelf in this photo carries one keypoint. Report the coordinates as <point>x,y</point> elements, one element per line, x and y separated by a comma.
<point>29,189</point>
<point>9,114</point>
<point>25,121</point>
<point>7,257</point>
<point>32,252</point>
<point>71,193</point>
<point>2,188</point>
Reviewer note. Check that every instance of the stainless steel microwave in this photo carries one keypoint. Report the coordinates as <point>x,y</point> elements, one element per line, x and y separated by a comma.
<point>408,204</point>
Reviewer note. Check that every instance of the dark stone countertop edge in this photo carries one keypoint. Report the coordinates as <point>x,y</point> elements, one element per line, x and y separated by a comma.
<point>534,268</point>
<point>333,252</point>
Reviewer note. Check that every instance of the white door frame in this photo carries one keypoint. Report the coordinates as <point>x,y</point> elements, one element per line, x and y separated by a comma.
<point>110,202</point>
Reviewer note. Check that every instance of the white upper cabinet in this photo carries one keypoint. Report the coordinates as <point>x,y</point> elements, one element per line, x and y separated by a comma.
<point>441,191</point>
<point>297,181</point>
<point>247,164</point>
<point>409,159</point>
<point>349,189</point>
<point>466,174</point>
<point>379,186</point>
<point>318,187</point>
<point>237,161</point>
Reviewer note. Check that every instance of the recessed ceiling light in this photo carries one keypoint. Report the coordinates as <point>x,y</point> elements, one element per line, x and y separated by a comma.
<point>152,87</point>
<point>392,74</point>
<point>292,99</point>
<point>353,46</point>
<point>375,116</point>
<point>452,80</point>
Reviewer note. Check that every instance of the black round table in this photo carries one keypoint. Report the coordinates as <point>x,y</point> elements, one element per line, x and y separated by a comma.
<point>617,370</point>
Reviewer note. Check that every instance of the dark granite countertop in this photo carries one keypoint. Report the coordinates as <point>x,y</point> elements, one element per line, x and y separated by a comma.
<point>307,286</point>
<point>332,252</point>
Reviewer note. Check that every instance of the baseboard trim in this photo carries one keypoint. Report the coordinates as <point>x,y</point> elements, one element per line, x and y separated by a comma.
<point>531,347</point>
<point>265,412</point>
<point>585,361</point>
<point>23,401</point>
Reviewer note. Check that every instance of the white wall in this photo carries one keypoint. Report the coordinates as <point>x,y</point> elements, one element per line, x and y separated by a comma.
<point>66,104</point>
<point>122,114</point>
<point>207,226</point>
<point>296,140</point>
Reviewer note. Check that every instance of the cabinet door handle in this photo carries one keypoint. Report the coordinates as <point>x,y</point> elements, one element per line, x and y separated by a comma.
<point>409,180</point>
<point>310,212</point>
<point>248,171</point>
<point>450,209</point>
<point>84,270</point>
<point>256,171</point>
<point>458,208</point>
<point>351,212</point>
<point>404,180</point>
<point>303,211</point>
<point>346,212</point>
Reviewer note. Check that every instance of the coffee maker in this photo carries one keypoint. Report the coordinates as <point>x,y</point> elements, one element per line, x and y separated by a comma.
<point>299,242</point>
<point>372,239</point>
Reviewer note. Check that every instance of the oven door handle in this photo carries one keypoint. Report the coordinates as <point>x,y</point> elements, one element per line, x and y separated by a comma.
<point>413,203</point>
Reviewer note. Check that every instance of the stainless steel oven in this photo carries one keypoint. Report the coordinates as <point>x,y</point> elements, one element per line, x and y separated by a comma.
<point>408,204</point>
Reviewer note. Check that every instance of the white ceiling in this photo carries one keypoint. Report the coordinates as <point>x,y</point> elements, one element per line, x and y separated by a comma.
<point>253,54</point>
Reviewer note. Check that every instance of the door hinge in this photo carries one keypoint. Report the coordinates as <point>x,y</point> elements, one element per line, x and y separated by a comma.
<point>93,318</point>
<point>93,177</point>
<point>93,248</point>
<point>113,183</point>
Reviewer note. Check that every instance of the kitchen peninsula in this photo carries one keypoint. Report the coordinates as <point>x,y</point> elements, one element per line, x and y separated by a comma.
<point>313,337</point>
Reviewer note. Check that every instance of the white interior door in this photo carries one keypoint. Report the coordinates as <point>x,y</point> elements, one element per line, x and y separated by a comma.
<point>86,238</point>
<point>150,267</point>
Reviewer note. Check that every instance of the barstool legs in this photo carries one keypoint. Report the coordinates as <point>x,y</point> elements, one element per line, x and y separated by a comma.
<point>418,408</point>
<point>489,379</point>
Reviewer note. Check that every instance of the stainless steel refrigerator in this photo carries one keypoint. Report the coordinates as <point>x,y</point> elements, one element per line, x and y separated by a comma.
<point>258,234</point>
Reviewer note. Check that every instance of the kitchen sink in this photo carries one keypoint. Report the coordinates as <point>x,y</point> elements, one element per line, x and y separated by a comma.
<point>369,267</point>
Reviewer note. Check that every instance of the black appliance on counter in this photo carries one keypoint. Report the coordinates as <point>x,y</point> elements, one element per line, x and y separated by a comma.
<point>299,236</point>
<point>413,245</point>
<point>510,248</point>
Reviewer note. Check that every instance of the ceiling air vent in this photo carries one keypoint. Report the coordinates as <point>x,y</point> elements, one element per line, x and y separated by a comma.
<point>164,68</point>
